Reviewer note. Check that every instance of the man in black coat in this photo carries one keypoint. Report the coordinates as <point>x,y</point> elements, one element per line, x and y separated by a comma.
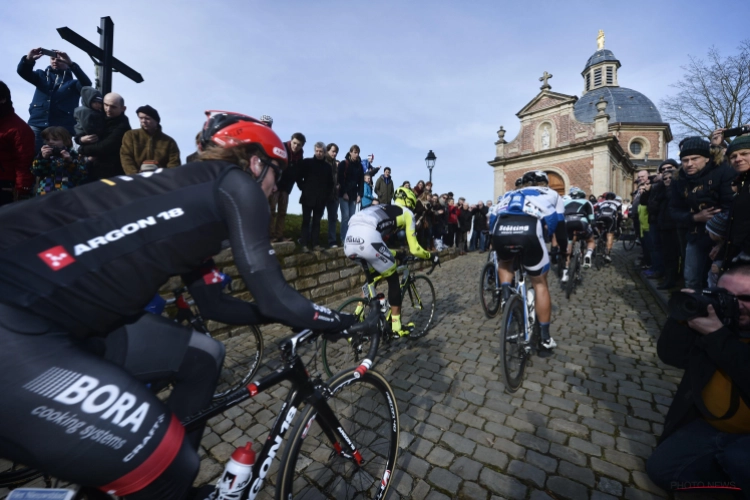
<point>706,438</point>
<point>279,201</point>
<point>479,227</point>
<point>351,186</point>
<point>670,241</point>
<point>701,189</point>
<point>315,181</point>
<point>737,245</point>
<point>106,149</point>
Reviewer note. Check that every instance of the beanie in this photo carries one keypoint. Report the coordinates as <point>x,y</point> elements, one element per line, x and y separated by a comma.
<point>695,146</point>
<point>669,162</point>
<point>149,111</point>
<point>4,91</point>
<point>718,224</point>
<point>741,142</point>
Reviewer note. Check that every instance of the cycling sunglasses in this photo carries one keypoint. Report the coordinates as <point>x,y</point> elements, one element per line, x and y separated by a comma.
<point>266,165</point>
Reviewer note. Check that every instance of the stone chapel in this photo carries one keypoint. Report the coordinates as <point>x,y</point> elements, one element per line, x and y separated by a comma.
<point>596,142</point>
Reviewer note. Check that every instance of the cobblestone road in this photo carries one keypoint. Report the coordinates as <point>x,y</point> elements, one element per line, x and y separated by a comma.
<point>581,427</point>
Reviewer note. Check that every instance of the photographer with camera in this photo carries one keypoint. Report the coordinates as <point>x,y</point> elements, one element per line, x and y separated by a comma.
<point>737,246</point>
<point>706,437</point>
<point>701,189</point>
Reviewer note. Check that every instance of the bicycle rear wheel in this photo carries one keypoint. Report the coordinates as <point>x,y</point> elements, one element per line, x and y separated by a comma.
<point>311,468</point>
<point>418,305</point>
<point>575,262</point>
<point>489,290</point>
<point>343,354</point>
<point>512,335</point>
<point>599,253</point>
<point>244,352</point>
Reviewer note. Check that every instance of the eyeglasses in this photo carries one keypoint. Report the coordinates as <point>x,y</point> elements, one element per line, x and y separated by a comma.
<point>266,165</point>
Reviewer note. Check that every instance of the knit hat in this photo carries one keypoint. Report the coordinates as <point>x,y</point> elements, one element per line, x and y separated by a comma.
<point>695,146</point>
<point>741,142</point>
<point>718,224</point>
<point>669,162</point>
<point>149,111</point>
<point>266,119</point>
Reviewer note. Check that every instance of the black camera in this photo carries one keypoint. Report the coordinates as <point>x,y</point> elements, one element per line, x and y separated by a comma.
<point>732,132</point>
<point>56,152</point>
<point>686,305</point>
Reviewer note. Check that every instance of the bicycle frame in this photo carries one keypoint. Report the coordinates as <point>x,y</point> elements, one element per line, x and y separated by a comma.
<point>369,292</point>
<point>312,391</point>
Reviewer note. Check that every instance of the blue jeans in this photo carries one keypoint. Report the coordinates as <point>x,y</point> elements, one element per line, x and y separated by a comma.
<point>332,207</point>
<point>699,453</point>
<point>38,139</point>
<point>347,210</point>
<point>697,262</point>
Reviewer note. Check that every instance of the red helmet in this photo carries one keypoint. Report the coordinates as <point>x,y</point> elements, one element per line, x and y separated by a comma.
<point>226,129</point>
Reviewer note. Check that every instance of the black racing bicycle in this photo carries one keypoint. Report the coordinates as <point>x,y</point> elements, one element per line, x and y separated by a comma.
<point>417,306</point>
<point>489,286</point>
<point>344,444</point>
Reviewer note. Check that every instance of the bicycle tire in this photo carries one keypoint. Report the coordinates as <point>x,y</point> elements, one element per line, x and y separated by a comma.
<point>418,305</point>
<point>599,254</point>
<point>13,475</point>
<point>629,244</point>
<point>489,290</point>
<point>341,354</point>
<point>572,270</point>
<point>512,353</point>
<point>311,468</point>
<point>244,353</point>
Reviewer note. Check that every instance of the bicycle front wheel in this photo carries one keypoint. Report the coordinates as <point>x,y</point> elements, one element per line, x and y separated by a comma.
<point>311,468</point>
<point>489,290</point>
<point>512,339</point>
<point>418,305</point>
<point>343,353</point>
<point>242,360</point>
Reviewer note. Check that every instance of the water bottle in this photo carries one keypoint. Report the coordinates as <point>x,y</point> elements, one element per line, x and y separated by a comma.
<point>530,303</point>
<point>236,474</point>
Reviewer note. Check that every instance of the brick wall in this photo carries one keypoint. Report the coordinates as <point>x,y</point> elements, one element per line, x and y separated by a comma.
<point>324,277</point>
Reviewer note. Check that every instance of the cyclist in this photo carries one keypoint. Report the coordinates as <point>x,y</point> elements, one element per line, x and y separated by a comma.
<point>517,220</point>
<point>364,240</point>
<point>579,214</point>
<point>609,214</point>
<point>82,264</point>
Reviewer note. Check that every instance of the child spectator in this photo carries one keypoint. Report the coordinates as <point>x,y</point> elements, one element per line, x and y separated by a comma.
<point>367,199</point>
<point>57,165</point>
<point>90,115</point>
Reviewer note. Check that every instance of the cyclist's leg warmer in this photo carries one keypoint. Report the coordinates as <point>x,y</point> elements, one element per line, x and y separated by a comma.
<point>394,291</point>
<point>195,382</point>
<point>83,419</point>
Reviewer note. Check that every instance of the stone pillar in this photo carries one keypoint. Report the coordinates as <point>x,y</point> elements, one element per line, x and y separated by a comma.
<point>601,120</point>
<point>500,144</point>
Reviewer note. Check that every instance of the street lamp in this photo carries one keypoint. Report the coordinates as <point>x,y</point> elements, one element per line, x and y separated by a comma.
<point>430,161</point>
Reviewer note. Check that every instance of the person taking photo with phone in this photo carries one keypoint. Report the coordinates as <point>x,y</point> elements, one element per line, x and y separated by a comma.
<point>58,89</point>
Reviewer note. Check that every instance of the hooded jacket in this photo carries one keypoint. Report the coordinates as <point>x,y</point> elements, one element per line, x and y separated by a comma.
<point>56,94</point>
<point>710,187</point>
<point>106,150</point>
<point>88,121</point>
<point>138,146</point>
<point>384,189</point>
<point>16,150</point>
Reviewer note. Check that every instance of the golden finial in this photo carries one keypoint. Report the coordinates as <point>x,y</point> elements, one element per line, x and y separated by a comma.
<point>600,40</point>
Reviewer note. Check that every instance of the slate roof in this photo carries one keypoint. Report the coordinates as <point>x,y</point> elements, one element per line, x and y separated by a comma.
<point>599,57</point>
<point>623,105</point>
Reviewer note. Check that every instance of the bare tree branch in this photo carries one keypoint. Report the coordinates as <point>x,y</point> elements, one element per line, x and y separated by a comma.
<point>713,93</point>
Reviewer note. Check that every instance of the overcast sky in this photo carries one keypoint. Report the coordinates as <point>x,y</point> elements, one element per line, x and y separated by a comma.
<point>398,78</point>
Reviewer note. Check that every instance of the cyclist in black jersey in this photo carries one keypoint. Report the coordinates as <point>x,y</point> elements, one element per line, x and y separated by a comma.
<point>76,270</point>
<point>609,213</point>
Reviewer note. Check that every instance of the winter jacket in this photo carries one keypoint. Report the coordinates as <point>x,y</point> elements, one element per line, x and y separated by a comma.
<point>464,220</point>
<point>738,239</point>
<point>294,162</point>
<point>480,218</point>
<point>315,182</point>
<point>643,219</point>
<point>56,174</point>
<point>384,189</point>
<point>710,187</point>
<point>16,150</point>
<point>334,176</point>
<point>367,196</point>
<point>107,149</point>
<point>657,195</point>
<point>700,356</point>
<point>139,146</point>
<point>88,121</point>
<point>56,94</point>
<point>351,180</point>
<point>453,212</point>
<point>665,221</point>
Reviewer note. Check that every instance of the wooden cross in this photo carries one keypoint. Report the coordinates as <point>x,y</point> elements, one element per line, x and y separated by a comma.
<point>546,76</point>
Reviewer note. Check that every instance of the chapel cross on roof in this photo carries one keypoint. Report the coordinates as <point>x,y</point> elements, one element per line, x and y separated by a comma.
<point>546,76</point>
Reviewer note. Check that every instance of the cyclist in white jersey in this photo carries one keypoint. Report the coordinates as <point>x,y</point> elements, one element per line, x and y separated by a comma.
<point>517,220</point>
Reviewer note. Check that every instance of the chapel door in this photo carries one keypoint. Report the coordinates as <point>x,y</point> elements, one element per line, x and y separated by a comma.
<point>556,182</point>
